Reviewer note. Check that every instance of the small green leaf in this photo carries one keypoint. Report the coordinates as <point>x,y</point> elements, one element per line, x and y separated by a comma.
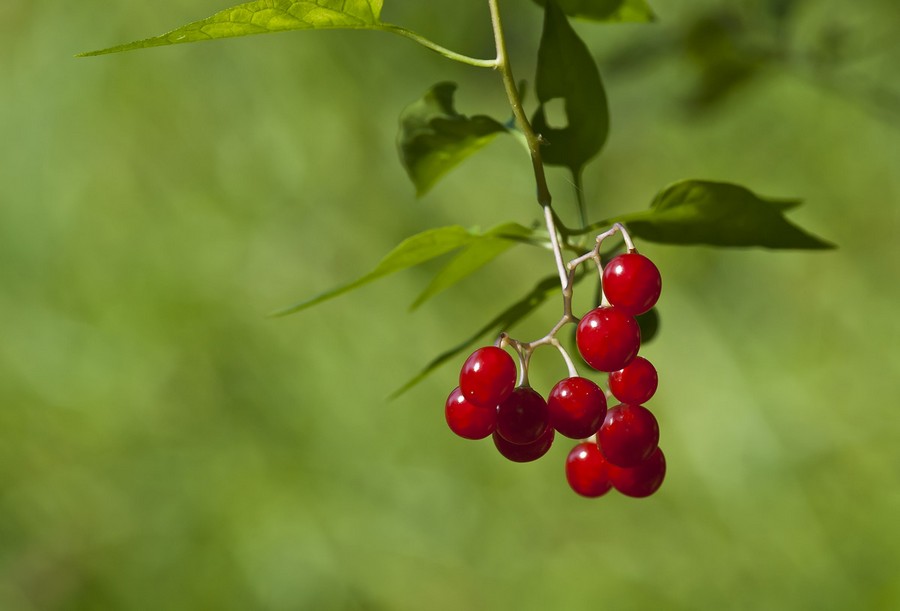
<point>719,214</point>
<point>265,16</point>
<point>502,322</point>
<point>635,11</point>
<point>566,70</point>
<point>412,251</point>
<point>434,138</point>
<point>480,252</point>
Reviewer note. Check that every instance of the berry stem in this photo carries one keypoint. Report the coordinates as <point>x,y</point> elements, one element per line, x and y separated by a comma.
<point>525,349</point>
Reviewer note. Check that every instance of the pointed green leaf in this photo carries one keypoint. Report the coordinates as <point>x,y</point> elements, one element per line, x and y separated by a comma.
<point>265,16</point>
<point>480,252</point>
<point>502,322</point>
<point>434,138</point>
<point>635,11</point>
<point>719,214</point>
<point>566,70</point>
<point>412,251</point>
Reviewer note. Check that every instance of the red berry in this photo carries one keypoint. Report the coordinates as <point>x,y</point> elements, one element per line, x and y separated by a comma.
<point>577,407</point>
<point>641,480</point>
<point>629,435</point>
<point>525,452</point>
<point>586,470</point>
<point>468,420</point>
<point>632,282</point>
<point>608,338</point>
<point>522,417</point>
<point>636,383</point>
<point>488,376</point>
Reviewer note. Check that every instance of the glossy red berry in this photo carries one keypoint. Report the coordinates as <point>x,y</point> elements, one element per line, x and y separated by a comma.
<point>468,420</point>
<point>632,282</point>
<point>525,452</point>
<point>522,417</point>
<point>586,470</point>
<point>641,480</point>
<point>636,383</point>
<point>629,435</point>
<point>488,376</point>
<point>608,338</point>
<point>576,407</point>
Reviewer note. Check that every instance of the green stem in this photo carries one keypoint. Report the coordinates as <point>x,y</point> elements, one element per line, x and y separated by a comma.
<point>532,139</point>
<point>459,57</point>
<point>579,197</point>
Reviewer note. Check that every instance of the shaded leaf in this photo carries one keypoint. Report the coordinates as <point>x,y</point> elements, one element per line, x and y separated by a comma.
<point>649,323</point>
<point>481,251</point>
<point>434,138</point>
<point>266,16</point>
<point>502,322</point>
<point>566,70</point>
<point>719,214</point>
<point>636,11</point>
<point>412,251</point>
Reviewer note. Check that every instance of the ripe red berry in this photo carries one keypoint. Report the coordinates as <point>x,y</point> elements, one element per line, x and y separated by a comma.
<point>468,420</point>
<point>636,383</point>
<point>641,480</point>
<point>608,338</point>
<point>586,470</point>
<point>522,417</point>
<point>576,407</point>
<point>488,376</point>
<point>632,282</point>
<point>525,452</point>
<point>629,435</point>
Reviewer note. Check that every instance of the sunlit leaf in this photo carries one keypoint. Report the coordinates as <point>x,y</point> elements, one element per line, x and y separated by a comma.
<point>566,70</point>
<point>719,214</point>
<point>265,16</point>
<point>481,251</point>
<point>607,10</point>
<point>412,251</point>
<point>434,138</point>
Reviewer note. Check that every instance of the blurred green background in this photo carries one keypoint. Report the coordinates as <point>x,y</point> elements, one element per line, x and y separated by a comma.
<point>164,445</point>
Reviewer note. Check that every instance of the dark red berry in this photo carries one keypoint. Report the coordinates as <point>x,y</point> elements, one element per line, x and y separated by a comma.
<point>641,480</point>
<point>524,452</point>
<point>488,376</point>
<point>608,338</point>
<point>632,282</point>
<point>636,383</point>
<point>586,470</point>
<point>468,420</point>
<point>522,417</point>
<point>577,407</point>
<point>629,435</point>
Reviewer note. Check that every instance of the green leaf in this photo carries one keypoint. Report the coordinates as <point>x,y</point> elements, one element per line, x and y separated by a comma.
<point>265,16</point>
<point>566,70</point>
<point>719,214</point>
<point>635,11</point>
<point>649,324</point>
<point>412,251</point>
<point>434,138</point>
<point>502,322</point>
<point>480,252</point>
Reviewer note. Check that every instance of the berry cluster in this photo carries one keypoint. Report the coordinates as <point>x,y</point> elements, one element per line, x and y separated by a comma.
<point>619,447</point>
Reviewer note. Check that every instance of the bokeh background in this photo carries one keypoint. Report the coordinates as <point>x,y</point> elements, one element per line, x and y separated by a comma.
<point>165,445</point>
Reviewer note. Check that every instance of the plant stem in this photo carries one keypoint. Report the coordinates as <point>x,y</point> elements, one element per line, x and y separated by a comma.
<point>579,197</point>
<point>459,57</point>
<point>532,139</point>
